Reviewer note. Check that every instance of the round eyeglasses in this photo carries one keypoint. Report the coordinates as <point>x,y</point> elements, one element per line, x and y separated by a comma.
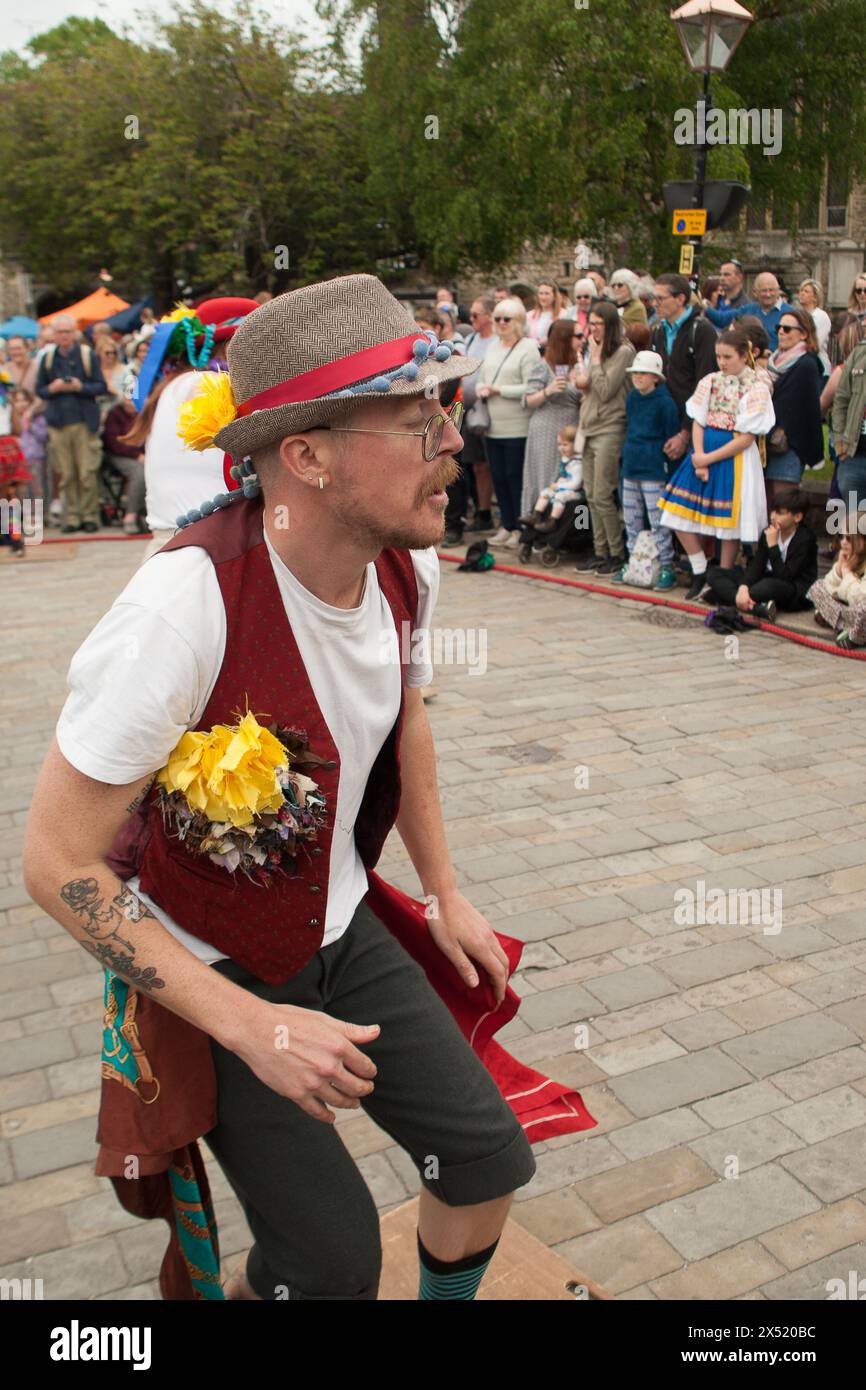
<point>431,435</point>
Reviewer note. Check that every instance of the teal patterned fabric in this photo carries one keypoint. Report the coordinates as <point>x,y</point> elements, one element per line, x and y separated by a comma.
<point>194,1221</point>
<point>116,1052</point>
<point>197,1233</point>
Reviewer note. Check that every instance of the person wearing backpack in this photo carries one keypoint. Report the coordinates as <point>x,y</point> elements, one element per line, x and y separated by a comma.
<point>651,418</point>
<point>69,381</point>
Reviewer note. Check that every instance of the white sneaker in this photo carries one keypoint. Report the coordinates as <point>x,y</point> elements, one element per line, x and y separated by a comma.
<point>502,535</point>
<point>513,541</point>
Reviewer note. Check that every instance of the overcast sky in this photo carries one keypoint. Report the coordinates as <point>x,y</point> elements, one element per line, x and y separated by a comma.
<point>23,21</point>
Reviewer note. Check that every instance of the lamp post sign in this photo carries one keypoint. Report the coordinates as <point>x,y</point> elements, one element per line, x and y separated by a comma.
<point>690,222</point>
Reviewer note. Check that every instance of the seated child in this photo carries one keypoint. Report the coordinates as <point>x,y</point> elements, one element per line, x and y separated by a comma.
<point>783,567</point>
<point>652,417</point>
<point>567,486</point>
<point>840,597</point>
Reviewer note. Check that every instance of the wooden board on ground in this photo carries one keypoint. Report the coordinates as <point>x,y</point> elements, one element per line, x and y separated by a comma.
<point>522,1269</point>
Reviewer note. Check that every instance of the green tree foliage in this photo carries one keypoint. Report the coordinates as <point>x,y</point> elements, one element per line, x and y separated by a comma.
<point>71,40</point>
<point>454,129</point>
<point>557,120</point>
<point>218,151</point>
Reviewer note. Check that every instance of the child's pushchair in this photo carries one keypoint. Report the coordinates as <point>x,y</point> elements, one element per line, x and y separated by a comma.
<point>572,534</point>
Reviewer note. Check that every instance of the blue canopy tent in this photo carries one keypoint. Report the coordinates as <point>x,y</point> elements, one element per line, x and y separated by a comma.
<point>127,320</point>
<point>19,327</point>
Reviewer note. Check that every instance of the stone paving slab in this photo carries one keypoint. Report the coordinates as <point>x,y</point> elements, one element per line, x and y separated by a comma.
<point>609,761</point>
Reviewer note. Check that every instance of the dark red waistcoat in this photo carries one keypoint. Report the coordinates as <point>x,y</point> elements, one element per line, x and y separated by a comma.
<point>270,930</point>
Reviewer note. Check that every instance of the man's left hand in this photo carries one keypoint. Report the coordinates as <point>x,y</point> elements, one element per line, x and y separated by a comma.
<point>463,935</point>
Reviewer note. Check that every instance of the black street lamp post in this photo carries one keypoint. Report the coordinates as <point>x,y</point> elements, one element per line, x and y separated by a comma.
<point>710,31</point>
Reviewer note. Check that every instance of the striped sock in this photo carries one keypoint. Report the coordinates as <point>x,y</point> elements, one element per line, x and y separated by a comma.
<point>449,1279</point>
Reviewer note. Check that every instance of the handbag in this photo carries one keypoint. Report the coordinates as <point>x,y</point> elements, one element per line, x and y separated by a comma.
<point>477,419</point>
<point>777,442</point>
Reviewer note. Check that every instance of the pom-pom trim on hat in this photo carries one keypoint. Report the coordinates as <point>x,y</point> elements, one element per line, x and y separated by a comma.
<point>423,349</point>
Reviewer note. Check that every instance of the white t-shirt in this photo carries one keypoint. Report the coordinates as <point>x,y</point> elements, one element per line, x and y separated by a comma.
<point>176,478</point>
<point>146,672</point>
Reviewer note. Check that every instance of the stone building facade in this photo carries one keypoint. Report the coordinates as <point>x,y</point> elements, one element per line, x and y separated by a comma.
<point>833,251</point>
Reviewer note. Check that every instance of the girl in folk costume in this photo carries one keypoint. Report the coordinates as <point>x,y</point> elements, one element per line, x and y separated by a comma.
<point>718,489</point>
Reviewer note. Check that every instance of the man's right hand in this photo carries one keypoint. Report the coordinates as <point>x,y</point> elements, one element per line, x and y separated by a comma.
<point>58,384</point>
<point>677,446</point>
<point>309,1057</point>
<point>744,599</point>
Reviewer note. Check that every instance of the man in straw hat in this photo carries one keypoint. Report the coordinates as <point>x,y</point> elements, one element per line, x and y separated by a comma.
<point>250,1009</point>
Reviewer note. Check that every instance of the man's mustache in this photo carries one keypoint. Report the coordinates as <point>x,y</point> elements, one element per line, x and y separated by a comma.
<point>447,473</point>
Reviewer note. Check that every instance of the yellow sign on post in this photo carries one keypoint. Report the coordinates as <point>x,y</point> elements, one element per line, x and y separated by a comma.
<point>687,258</point>
<point>690,221</point>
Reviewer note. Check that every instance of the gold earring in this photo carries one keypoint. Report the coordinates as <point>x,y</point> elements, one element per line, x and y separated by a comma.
<point>321,482</point>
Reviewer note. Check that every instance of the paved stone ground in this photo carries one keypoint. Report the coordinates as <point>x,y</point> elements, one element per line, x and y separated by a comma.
<point>608,757</point>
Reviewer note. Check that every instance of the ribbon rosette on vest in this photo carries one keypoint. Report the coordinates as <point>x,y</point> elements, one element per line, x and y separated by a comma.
<point>234,794</point>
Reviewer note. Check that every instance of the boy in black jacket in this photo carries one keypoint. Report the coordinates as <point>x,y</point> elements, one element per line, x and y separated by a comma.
<point>783,568</point>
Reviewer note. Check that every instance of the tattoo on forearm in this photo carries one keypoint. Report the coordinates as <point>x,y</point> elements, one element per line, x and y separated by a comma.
<point>137,800</point>
<point>102,922</point>
<point>144,979</point>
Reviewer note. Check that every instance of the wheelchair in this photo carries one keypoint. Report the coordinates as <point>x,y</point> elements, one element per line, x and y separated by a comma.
<point>573,534</point>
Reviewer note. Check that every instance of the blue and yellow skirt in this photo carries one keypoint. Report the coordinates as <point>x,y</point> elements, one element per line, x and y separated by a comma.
<point>689,504</point>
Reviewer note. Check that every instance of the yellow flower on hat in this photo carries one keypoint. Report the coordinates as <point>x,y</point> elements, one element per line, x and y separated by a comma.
<point>214,406</point>
<point>230,774</point>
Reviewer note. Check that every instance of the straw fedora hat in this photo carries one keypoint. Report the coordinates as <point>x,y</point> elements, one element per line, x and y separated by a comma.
<point>300,359</point>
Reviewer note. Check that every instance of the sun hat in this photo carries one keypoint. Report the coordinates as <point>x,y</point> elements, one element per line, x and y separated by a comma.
<point>648,362</point>
<point>303,356</point>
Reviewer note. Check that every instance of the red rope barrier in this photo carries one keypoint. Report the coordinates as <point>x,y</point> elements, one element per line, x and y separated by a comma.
<point>800,638</point>
<point>75,538</point>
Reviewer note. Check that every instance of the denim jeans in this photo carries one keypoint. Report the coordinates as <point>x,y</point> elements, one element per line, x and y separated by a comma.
<point>851,478</point>
<point>506,468</point>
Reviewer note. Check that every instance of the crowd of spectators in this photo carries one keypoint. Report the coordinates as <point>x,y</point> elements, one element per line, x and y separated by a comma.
<point>596,394</point>
<point>64,397</point>
<point>591,361</point>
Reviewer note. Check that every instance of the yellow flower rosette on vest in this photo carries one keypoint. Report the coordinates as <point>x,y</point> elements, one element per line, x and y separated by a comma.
<point>229,774</point>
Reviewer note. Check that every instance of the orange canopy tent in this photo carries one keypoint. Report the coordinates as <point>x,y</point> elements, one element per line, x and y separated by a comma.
<point>93,309</point>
